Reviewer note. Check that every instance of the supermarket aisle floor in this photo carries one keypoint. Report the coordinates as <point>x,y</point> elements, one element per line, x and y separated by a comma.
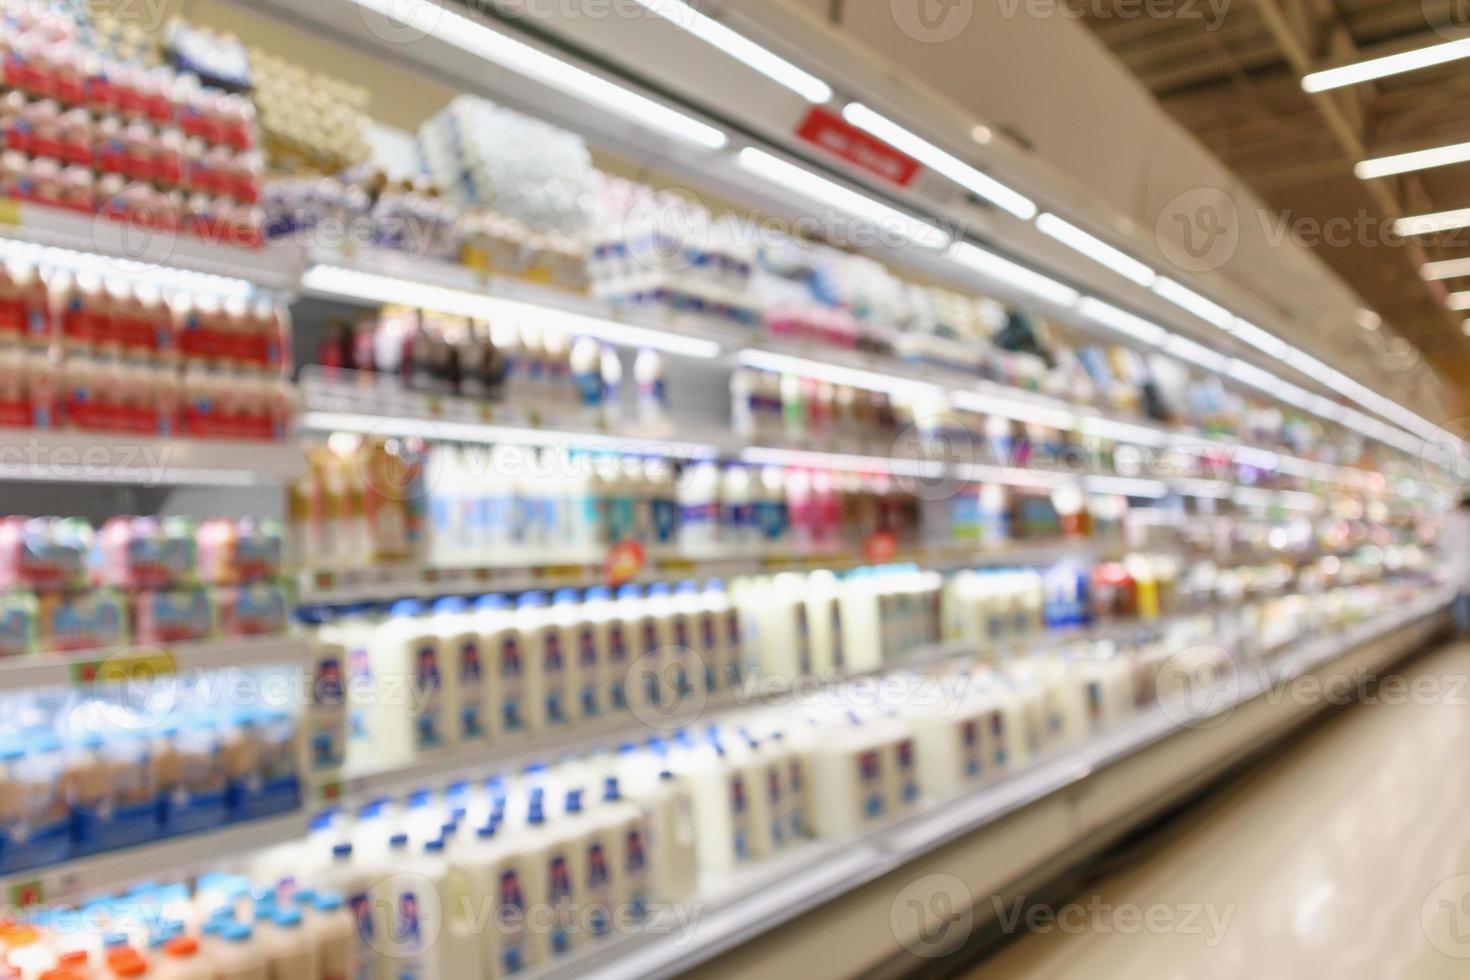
<point>1338,859</point>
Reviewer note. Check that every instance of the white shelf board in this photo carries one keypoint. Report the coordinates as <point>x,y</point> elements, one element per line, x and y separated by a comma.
<point>48,669</point>
<point>71,456</point>
<point>172,859</point>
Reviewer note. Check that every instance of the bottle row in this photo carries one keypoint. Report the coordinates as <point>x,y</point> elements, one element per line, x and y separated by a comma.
<point>84,773</point>
<point>416,678</point>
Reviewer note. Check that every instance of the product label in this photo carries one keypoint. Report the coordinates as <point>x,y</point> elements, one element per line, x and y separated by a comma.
<point>510,922</point>
<point>774,796</point>
<point>587,660</point>
<point>553,668</point>
<point>970,740</point>
<point>772,519</point>
<point>908,786</point>
<point>511,716</point>
<point>797,817</point>
<point>709,649</point>
<point>635,872</point>
<point>617,652</point>
<point>430,696</point>
<point>559,894</point>
<point>741,834</point>
<point>803,641</point>
<point>599,890</point>
<point>870,783</point>
<point>998,738</point>
<point>471,689</point>
<point>665,521</point>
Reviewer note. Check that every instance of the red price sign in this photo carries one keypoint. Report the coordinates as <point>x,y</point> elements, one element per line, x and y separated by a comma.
<point>880,547</point>
<point>624,562</point>
<point>836,135</point>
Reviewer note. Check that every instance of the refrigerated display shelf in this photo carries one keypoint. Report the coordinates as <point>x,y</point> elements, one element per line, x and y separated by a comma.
<point>178,858</point>
<point>74,456</point>
<point>126,247</point>
<point>350,277</point>
<point>465,764</point>
<point>338,586</point>
<point>742,907</point>
<point>145,661</point>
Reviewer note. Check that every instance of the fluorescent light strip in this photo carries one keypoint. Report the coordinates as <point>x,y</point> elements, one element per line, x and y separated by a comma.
<point>1011,274</point>
<point>1128,487</point>
<point>837,374</point>
<point>1393,64</point>
<point>1267,343</point>
<point>1198,354</point>
<point>1202,488</point>
<point>894,466</point>
<point>1187,299</point>
<point>1458,301</point>
<point>469,35</point>
<point>824,191</point>
<point>436,430</point>
<point>1124,432</point>
<point>1261,459</point>
<point>1432,224</point>
<point>1447,269</point>
<point>1122,321</point>
<point>742,49</point>
<point>1096,249</point>
<point>1017,410</point>
<point>1403,163</point>
<point>938,160</point>
<point>326,280</point>
<point>166,278</point>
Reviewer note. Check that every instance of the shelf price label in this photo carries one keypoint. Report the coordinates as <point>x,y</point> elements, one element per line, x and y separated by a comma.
<point>26,894</point>
<point>625,562</point>
<point>141,666</point>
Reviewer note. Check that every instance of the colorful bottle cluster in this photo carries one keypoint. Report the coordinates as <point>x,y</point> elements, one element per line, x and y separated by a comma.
<point>420,678</point>
<point>151,146</point>
<point>83,773</point>
<point>78,351</point>
<point>64,587</point>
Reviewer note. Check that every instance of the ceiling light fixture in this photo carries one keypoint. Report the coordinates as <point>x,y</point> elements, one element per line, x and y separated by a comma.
<point>742,49</point>
<point>1096,249</point>
<point>1187,299</point>
<point>1446,269</point>
<point>940,160</point>
<point>833,194</point>
<point>1393,64</point>
<point>1403,163</point>
<point>1432,224</point>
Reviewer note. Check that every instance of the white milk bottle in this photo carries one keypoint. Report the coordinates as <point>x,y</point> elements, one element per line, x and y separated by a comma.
<point>406,718</point>
<point>548,696</point>
<point>848,778</point>
<point>335,933</point>
<point>462,646</point>
<point>650,370</point>
<point>182,958</point>
<point>739,534</point>
<point>354,878</point>
<point>765,779</point>
<point>730,631</point>
<point>550,848</point>
<point>780,610</point>
<point>669,829</point>
<point>633,878</point>
<point>699,511</point>
<point>595,870</point>
<point>720,797</point>
<point>495,874</point>
<point>704,632</point>
<point>583,656</point>
<point>293,950</point>
<point>426,934</point>
<point>900,769</point>
<point>238,956</point>
<point>326,710</point>
<point>824,613</point>
<point>610,638</point>
<point>500,641</point>
<point>645,678</point>
<point>952,746</point>
<point>681,673</point>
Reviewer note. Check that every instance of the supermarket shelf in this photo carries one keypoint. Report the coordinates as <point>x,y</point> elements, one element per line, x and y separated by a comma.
<point>127,662</point>
<point>481,761</point>
<point>336,586</point>
<point>118,248</point>
<point>739,908</point>
<point>175,858</point>
<point>66,456</point>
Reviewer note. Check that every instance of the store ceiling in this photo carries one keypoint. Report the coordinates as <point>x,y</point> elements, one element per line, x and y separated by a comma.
<point>1234,81</point>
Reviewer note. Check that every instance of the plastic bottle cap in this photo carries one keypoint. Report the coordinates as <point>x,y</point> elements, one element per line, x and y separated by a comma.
<point>486,832</point>
<point>434,847</point>
<point>134,967</point>
<point>182,946</point>
<point>398,840</point>
<point>566,596</point>
<point>288,918</point>
<point>408,607</point>
<point>75,957</point>
<point>451,604</point>
<point>341,851</point>
<point>239,932</point>
<point>329,903</point>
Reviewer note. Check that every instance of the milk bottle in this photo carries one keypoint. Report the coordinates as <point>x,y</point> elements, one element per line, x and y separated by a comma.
<point>824,613</point>
<point>426,931</point>
<point>238,956</point>
<point>704,631</point>
<point>632,877</point>
<point>406,718</point>
<point>850,785</point>
<point>335,935</point>
<point>681,674</point>
<point>354,880</point>
<point>720,797</point>
<point>699,511</point>
<point>645,685</point>
<point>293,953</point>
<point>610,637</point>
<point>594,867</point>
<point>954,748</point>
<point>462,646</point>
<point>548,698</point>
<point>740,534</point>
<point>765,779</point>
<point>326,712</point>
<point>495,872</point>
<point>551,851</point>
<point>579,643</point>
<point>667,811</point>
<point>504,667</point>
<point>780,610</point>
<point>730,631</point>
